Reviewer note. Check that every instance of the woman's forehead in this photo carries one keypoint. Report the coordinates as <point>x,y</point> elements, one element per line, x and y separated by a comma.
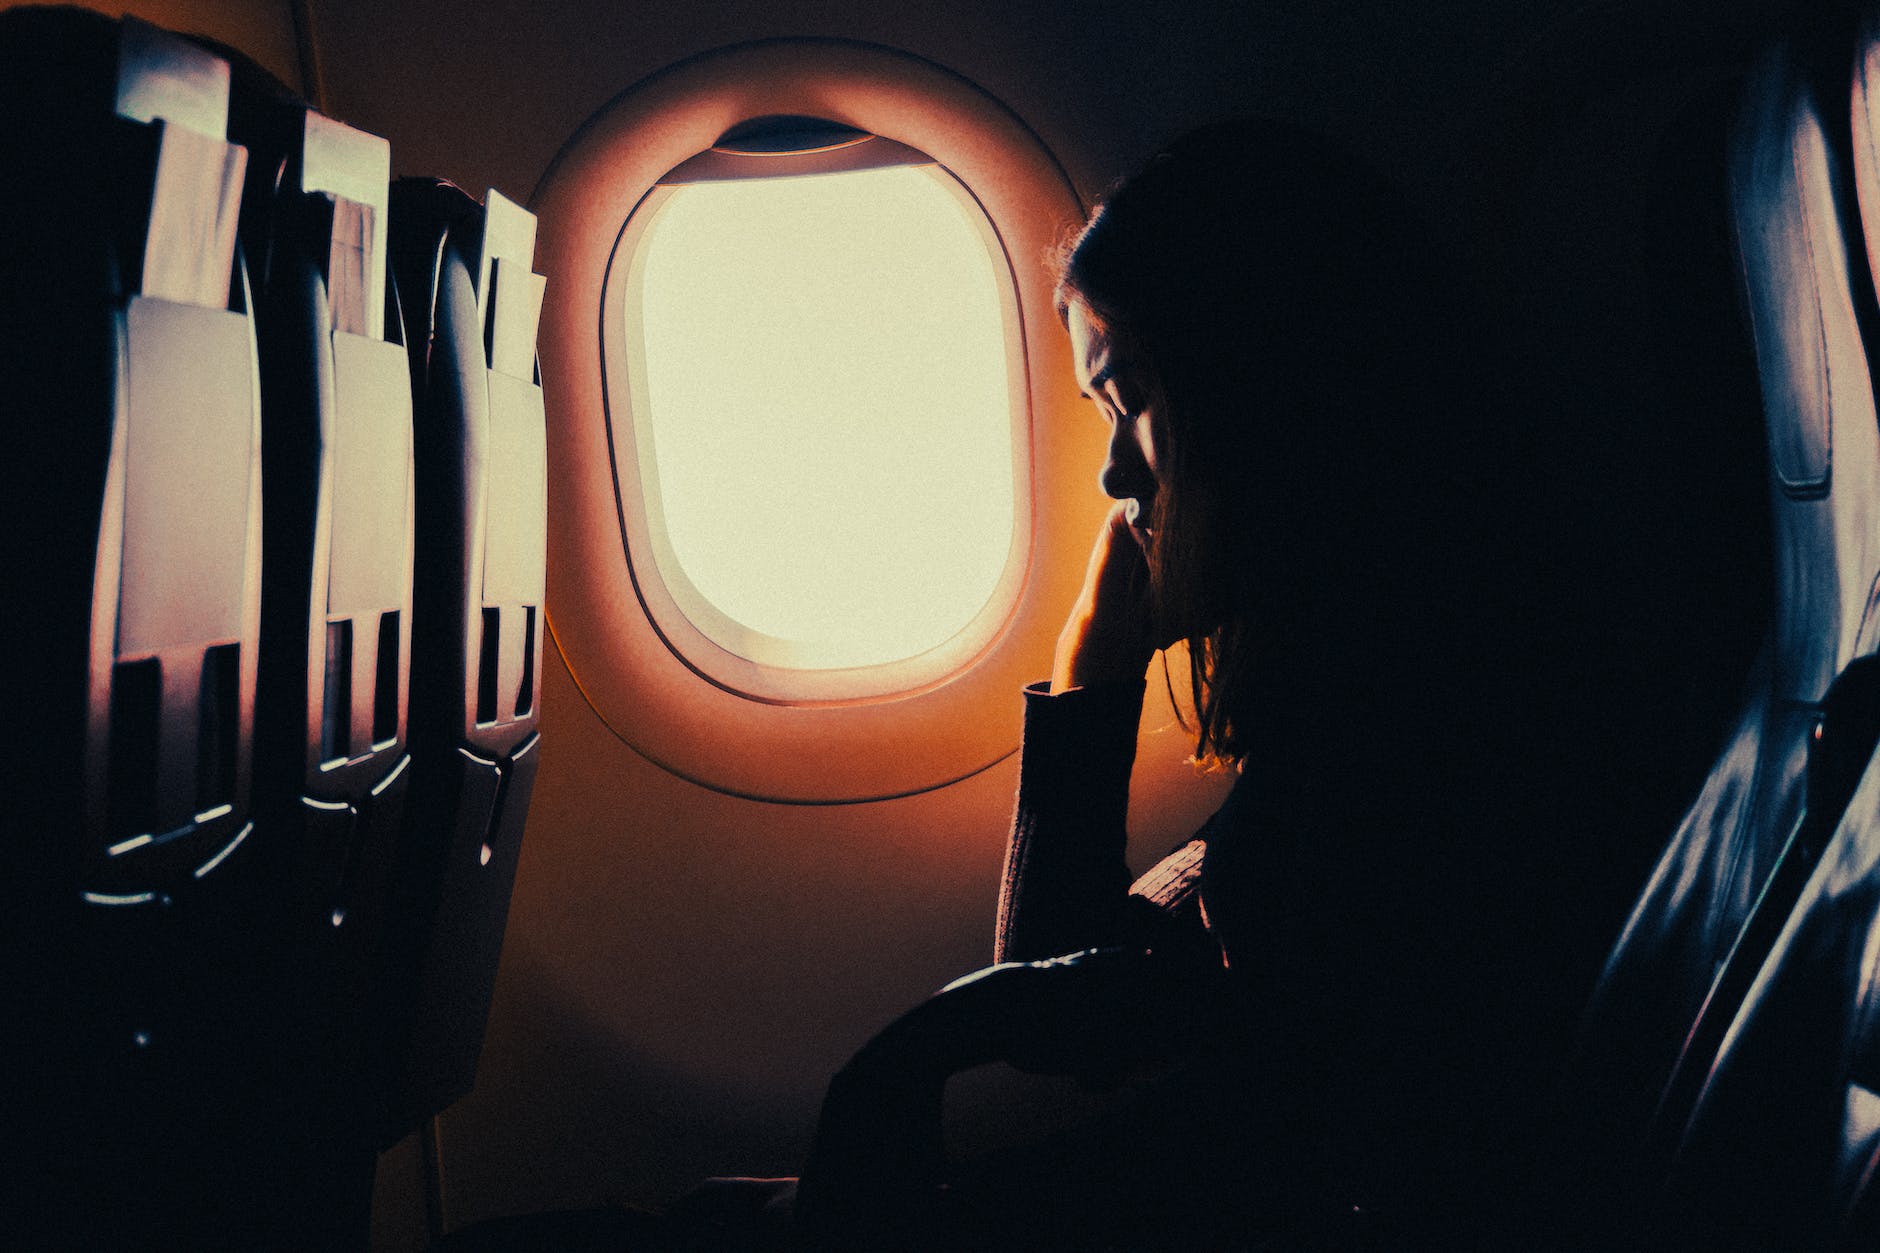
<point>1092,348</point>
<point>1103,352</point>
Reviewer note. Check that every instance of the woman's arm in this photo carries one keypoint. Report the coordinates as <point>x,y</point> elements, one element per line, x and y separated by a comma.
<point>1065,875</point>
<point>1102,1015</point>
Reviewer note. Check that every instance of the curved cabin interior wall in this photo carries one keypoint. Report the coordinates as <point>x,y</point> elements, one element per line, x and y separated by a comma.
<point>264,29</point>
<point>684,969</point>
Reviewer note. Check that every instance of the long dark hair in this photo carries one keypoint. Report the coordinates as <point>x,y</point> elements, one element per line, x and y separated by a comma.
<point>1266,280</point>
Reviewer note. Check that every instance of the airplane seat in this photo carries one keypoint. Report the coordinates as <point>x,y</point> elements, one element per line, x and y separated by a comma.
<point>331,763</point>
<point>1738,859</point>
<point>1783,1142</point>
<point>134,469</point>
<point>471,304</point>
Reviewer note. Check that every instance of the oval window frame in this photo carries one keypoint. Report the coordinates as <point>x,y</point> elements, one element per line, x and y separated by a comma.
<point>837,749</point>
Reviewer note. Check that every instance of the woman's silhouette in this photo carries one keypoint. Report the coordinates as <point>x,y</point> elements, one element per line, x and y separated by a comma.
<point>1356,974</point>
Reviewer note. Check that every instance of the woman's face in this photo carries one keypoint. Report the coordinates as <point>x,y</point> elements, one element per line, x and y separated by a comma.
<point>1122,386</point>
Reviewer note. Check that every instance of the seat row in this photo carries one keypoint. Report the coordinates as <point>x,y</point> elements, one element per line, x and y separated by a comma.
<point>277,451</point>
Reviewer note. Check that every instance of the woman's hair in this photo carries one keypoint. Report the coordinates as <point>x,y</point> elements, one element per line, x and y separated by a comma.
<point>1265,280</point>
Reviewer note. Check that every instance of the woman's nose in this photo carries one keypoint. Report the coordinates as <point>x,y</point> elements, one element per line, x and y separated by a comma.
<point>1124,474</point>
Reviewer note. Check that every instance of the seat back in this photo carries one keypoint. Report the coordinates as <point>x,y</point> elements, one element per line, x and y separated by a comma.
<point>339,518</point>
<point>1741,853</point>
<point>134,464</point>
<point>175,598</point>
<point>1783,1143</point>
<point>331,761</point>
<point>472,303</point>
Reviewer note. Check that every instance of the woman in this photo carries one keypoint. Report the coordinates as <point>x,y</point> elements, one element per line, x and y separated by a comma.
<point>1358,971</point>
<point>1343,987</point>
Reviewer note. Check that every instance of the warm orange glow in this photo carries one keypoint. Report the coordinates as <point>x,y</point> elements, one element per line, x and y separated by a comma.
<point>824,412</point>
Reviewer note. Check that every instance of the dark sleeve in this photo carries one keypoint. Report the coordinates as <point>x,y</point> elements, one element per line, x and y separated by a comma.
<point>1066,878</point>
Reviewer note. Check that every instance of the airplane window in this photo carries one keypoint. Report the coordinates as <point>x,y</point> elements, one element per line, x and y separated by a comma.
<point>821,477</point>
<point>822,409</point>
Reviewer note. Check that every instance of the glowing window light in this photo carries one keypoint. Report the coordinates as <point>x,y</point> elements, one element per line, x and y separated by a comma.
<point>823,412</point>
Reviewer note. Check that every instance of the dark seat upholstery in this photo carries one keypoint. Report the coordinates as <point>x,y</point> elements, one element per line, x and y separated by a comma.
<point>134,490</point>
<point>1785,1137</point>
<point>144,405</point>
<point>471,305</point>
<point>1782,1147</point>
<point>1727,879</point>
<point>331,764</point>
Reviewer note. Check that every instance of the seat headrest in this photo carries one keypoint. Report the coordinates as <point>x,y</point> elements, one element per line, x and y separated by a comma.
<point>1793,220</point>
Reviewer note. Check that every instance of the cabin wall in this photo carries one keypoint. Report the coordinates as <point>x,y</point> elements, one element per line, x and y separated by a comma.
<point>264,29</point>
<point>486,93</point>
<point>683,970</point>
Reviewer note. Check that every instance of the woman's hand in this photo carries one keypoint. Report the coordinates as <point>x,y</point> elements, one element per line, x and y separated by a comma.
<point>1110,634</point>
